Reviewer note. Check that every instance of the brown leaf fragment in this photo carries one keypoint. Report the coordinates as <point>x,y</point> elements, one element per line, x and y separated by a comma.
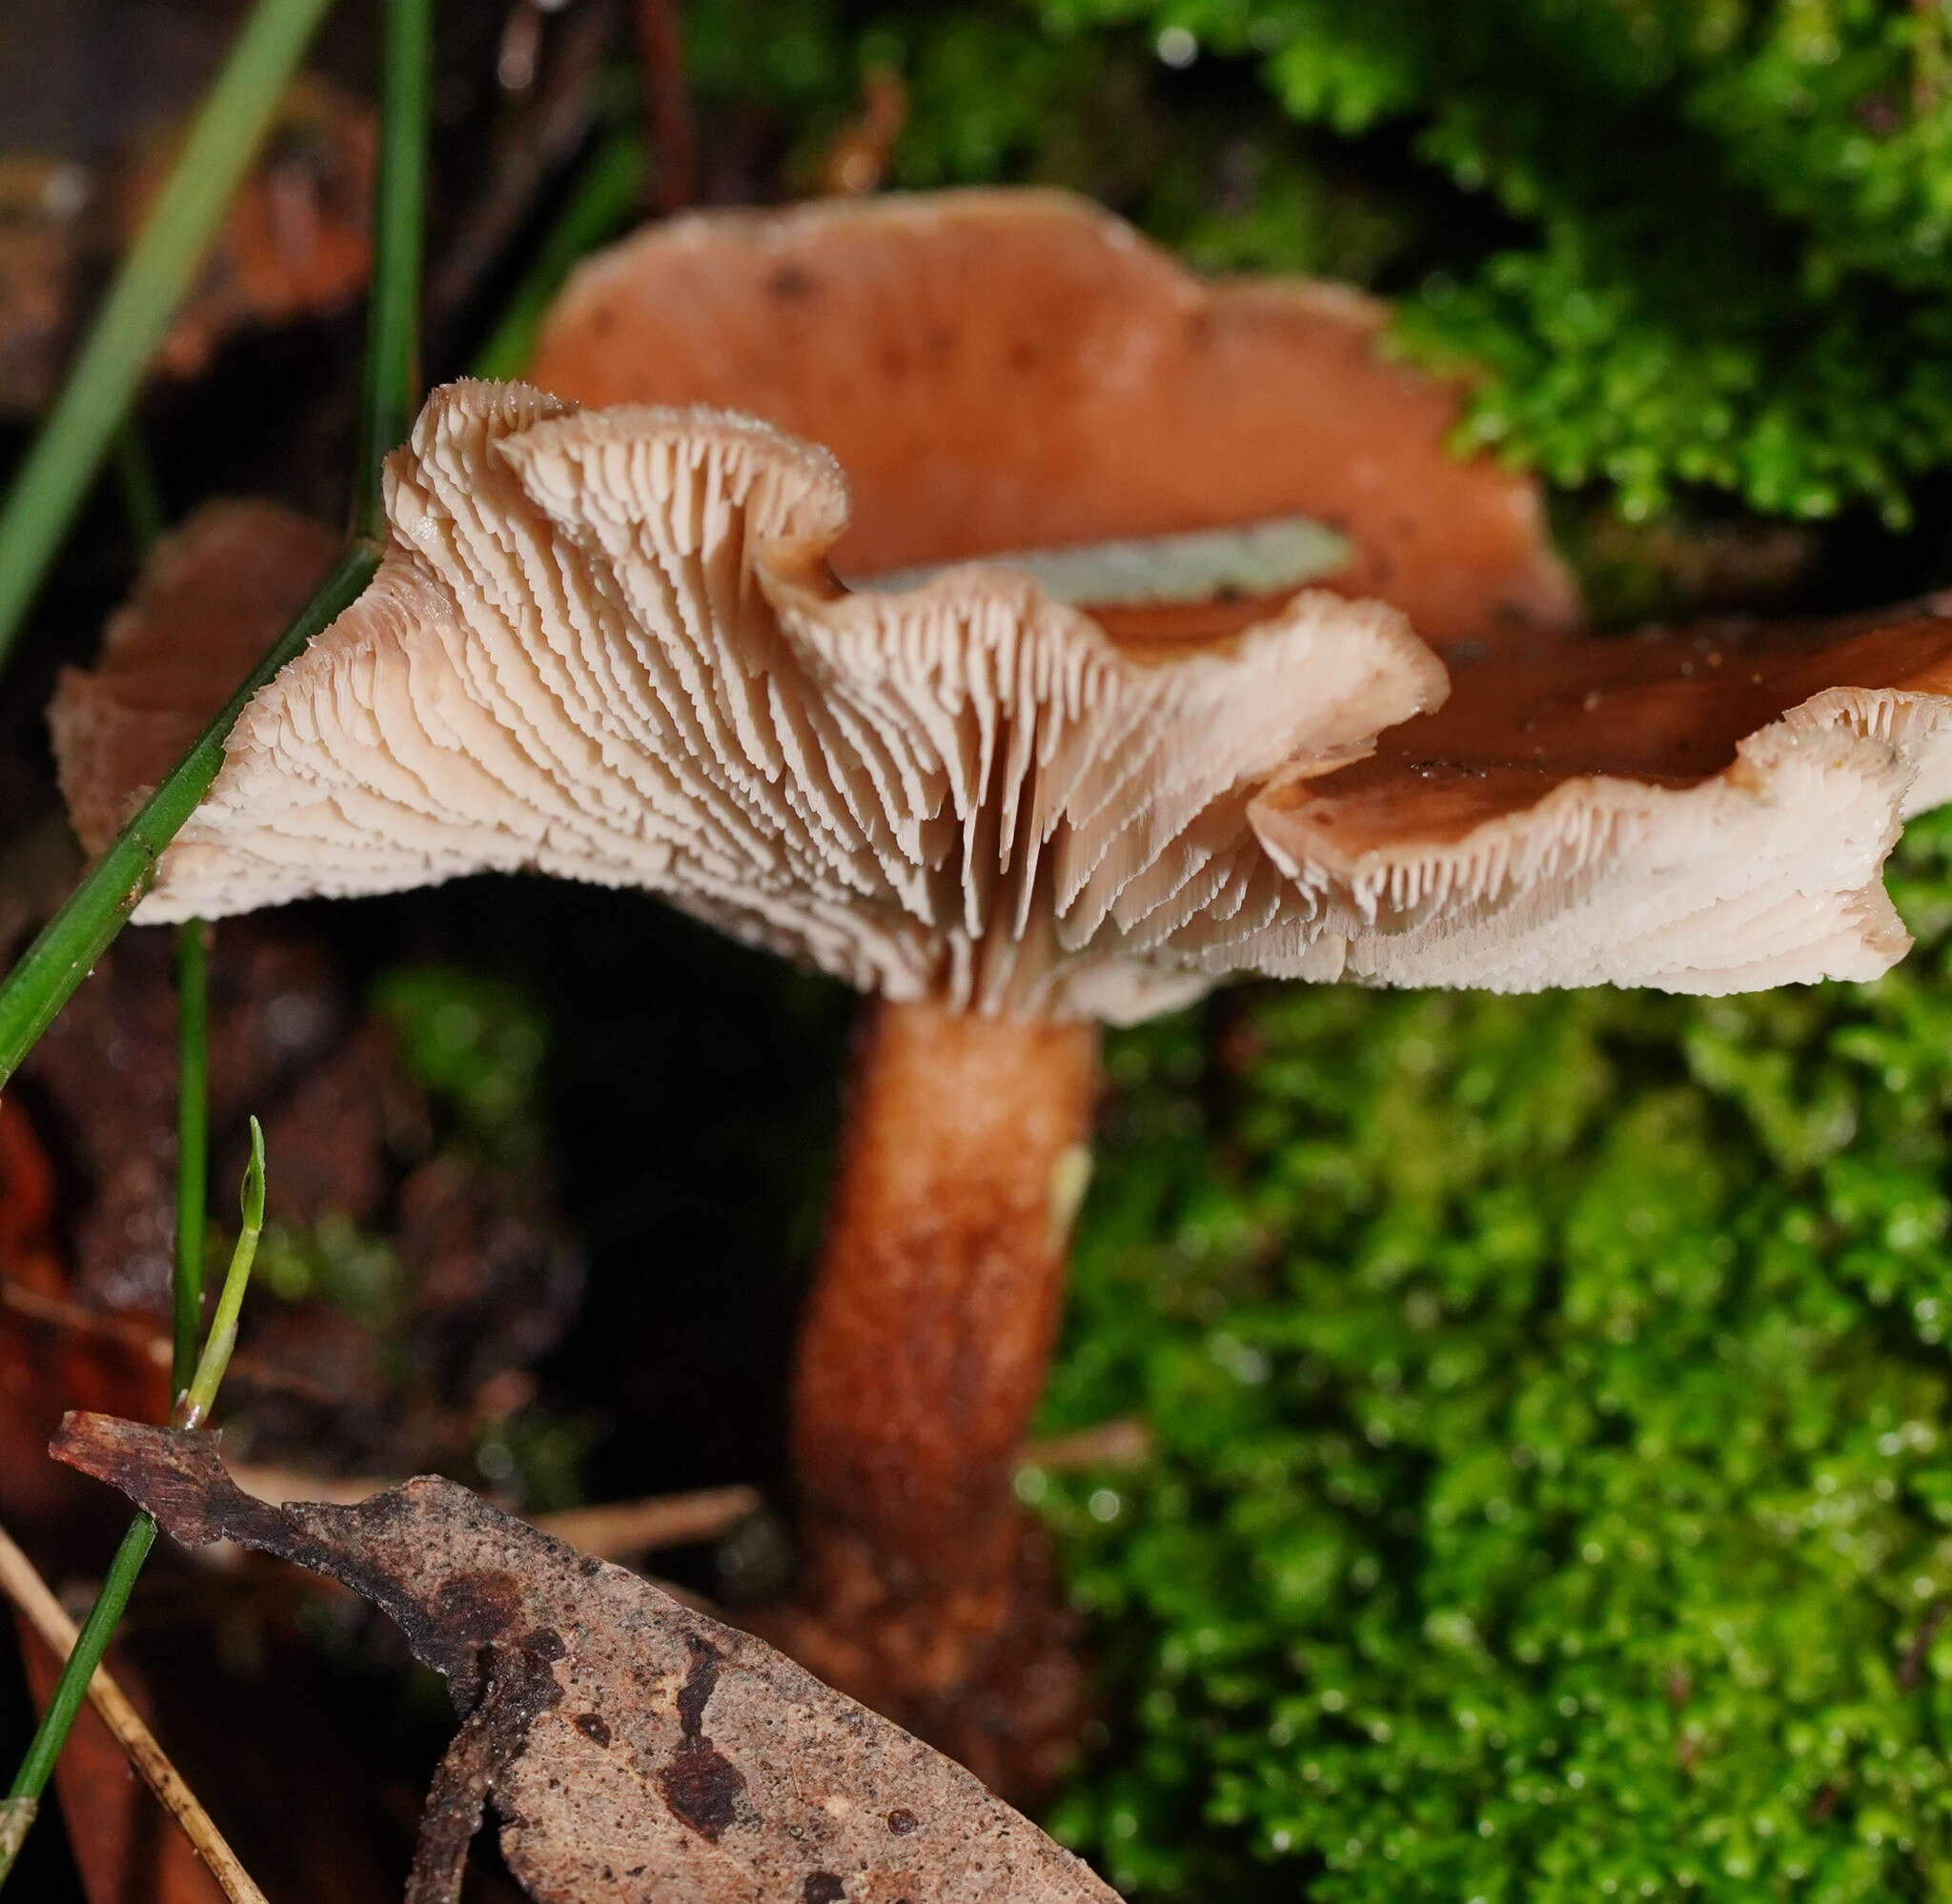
<point>631,1748</point>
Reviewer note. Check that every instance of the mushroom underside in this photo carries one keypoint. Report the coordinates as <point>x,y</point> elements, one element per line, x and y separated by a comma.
<point>606,645</point>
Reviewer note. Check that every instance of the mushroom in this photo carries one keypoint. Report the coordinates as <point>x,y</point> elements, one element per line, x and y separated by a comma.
<point>607,645</point>
<point>612,645</point>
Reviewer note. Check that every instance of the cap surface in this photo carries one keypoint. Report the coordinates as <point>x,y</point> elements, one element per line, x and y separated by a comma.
<point>1000,370</point>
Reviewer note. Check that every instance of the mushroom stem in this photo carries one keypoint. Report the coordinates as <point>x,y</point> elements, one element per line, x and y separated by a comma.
<point>928,1329</point>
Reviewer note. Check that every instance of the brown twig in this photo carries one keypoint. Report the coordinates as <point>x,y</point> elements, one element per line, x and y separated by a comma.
<point>613,1530</point>
<point>1124,1443</point>
<point>147,1339</point>
<point>616,1528</point>
<point>25,1587</point>
<point>674,134</point>
<point>552,127</point>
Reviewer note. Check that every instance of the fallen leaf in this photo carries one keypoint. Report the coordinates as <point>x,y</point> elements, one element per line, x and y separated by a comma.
<point>632,1748</point>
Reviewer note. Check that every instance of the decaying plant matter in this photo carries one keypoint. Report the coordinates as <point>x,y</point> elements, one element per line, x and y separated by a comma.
<point>629,1746</point>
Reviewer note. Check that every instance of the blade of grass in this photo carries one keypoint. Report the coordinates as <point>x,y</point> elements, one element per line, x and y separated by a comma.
<point>600,203</point>
<point>193,1146</point>
<point>201,1395</point>
<point>22,1585</point>
<point>89,921</point>
<point>65,455</point>
<point>136,480</point>
<point>31,1781</point>
<point>393,318</point>
<point>142,504</point>
<point>98,908</point>
<point>38,1767</point>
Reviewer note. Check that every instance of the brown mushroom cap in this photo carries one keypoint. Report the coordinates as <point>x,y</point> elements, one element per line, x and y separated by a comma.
<point>1005,369</point>
<point>607,645</point>
<point>209,602</point>
<point>1704,809</point>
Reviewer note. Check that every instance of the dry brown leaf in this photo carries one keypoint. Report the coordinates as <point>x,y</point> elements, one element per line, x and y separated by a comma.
<point>627,1743</point>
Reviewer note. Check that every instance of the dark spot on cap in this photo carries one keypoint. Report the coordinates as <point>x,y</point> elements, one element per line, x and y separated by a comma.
<point>822,1887</point>
<point>903,1822</point>
<point>791,282</point>
<point>593,1726</point>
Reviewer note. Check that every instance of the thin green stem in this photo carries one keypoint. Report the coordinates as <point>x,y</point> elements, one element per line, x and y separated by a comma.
<point>62,462</point>
<point>600,203</point>
<point>98,908</point>
<point>200,1397</point>
<point>143,504</point>
<point>393,320</point>
<point>79,1668</point>
<point>193,1146</point>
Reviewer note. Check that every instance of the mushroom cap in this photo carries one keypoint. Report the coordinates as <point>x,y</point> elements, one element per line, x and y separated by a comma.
<point>212,599</point>
<point>607,645</point>
<point>1004,370</point>
<point>1702,809</point>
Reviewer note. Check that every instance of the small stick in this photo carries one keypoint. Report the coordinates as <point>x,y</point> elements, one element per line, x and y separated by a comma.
<point>641,1527</point>
<point>25,1587</point>
<point>611,1529</point>
<point>1124,1443</point>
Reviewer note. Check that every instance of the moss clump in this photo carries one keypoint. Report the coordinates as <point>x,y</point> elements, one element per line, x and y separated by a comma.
<point>1555,1490</point>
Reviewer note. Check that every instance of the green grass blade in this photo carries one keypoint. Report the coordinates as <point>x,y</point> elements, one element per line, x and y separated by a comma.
<point>393,321</point>
<point>90,1645</point>
<point>92,1642</point>
<point>98,908</point>
<point>66,454</point>
<point>135,481</point>
<point>193,1147</point>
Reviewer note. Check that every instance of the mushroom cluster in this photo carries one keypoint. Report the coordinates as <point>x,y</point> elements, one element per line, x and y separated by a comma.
<point>810,695</point>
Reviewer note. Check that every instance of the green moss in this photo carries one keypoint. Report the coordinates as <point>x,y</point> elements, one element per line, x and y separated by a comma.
<point>1553,1496</point>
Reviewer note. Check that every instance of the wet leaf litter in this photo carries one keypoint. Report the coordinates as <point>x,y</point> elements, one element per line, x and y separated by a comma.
<point>630,1747</point>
